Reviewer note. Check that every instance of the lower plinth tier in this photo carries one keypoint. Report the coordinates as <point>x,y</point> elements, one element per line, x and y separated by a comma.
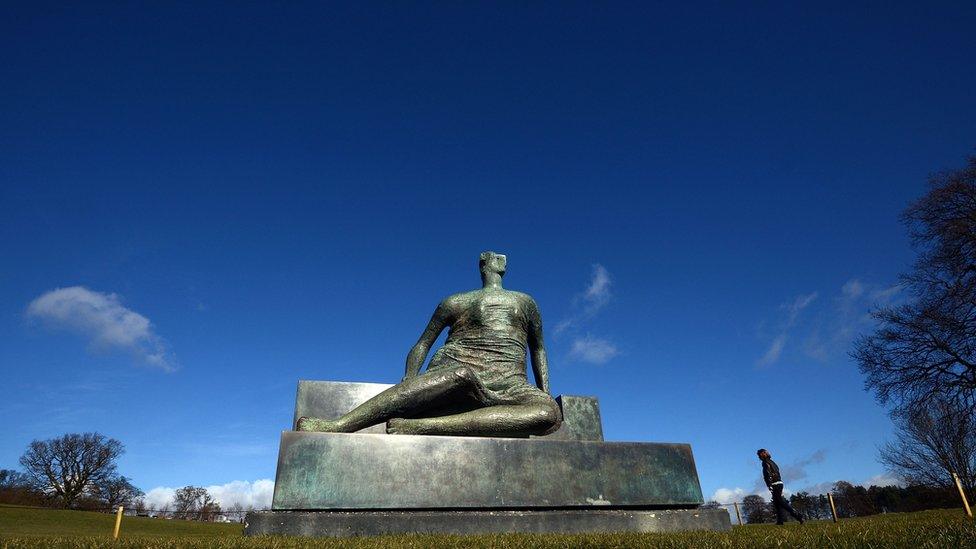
<point>572,521</point>
<point>333,471</point>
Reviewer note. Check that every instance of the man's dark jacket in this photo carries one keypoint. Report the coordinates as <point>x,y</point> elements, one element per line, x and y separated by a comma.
<point>770,472</point>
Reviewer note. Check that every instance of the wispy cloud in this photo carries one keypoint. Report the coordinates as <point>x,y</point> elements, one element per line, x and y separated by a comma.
<point>589,302</point>
<point>795,470</point>
<point>255,495</point>
<point>847,315</point>
<point>585,305</point>
<point>598,292</point>
<point>799,303</point>
<point>793,309</point>
<point>853,288</point>
<point>593,350</point>
<point>883,479</point>
<point>832,326</point>
<point>104,321</point>
<point>798,469</point>
<point>772,353</point>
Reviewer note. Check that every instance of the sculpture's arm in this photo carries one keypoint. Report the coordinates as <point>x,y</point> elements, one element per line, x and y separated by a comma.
<point>417,355</point>
<point>537,348</point>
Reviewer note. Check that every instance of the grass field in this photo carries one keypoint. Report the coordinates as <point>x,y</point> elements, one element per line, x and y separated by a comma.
<point>29,527</point>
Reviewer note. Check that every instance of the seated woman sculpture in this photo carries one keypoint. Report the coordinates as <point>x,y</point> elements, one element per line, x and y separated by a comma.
<point>475,384</point>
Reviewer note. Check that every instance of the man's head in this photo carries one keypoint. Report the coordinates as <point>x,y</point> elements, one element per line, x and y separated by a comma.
<point>763,453</point>
<point>491,262</point>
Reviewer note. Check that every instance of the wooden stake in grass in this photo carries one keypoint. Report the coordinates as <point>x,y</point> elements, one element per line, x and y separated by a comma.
<point>833,509</point>
<point>118,523</point>
<point>962,494</point>
<point>737,514</point>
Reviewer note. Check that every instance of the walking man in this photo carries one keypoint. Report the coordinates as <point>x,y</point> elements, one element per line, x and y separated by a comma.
<point>775,484</point>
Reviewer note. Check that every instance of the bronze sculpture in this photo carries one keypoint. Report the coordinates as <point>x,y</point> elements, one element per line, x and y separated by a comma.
<point>476,384</point>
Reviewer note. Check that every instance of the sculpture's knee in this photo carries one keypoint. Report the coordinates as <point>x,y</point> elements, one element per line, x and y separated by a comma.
<point>549,417</point>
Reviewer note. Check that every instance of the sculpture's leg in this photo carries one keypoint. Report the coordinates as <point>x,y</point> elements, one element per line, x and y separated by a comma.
<point>510,420</point>
<point>405,398</point>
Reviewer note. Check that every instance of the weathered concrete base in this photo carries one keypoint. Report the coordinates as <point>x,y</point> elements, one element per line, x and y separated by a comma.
<point>376,523</point>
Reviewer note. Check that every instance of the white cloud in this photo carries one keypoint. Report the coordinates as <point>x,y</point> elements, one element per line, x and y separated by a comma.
<point>593,350</point>
<point>256,494</point>
<point>775,349</point>
<point>159,497</point>
<point>884,479</point>
<point>729,495</point>
<point>102,319</point>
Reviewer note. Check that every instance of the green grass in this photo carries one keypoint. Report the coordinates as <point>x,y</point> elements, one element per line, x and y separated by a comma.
<point>16,522</point>
<point>27,527</point>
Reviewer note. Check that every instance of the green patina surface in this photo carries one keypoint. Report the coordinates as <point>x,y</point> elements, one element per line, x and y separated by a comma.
<point>476,384</point>
<point>371,471</point>
<point>581,419</point>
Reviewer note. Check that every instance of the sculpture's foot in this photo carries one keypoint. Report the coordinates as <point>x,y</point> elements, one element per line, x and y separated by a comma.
<point>402,426</point>
<point>316,425</point>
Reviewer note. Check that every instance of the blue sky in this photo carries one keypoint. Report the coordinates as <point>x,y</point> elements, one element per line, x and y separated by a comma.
<point>230,198</point>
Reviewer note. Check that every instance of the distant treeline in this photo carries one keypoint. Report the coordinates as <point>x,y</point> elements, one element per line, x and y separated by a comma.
<point>855,501</point>
<point>15,490</point>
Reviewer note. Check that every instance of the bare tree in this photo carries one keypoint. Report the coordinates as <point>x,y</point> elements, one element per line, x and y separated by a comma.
<point>931,442</point>
<point>237,511</point>
<point>164,511</point>
<point>852,501</point>
<point>116,491</point>
<point>810,506</point>
<point>195,503</point>
<point>756,509</point>
<point>67,467</point>
<point>926,349</point>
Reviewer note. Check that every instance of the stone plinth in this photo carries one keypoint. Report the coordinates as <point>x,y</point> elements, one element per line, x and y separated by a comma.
<point>371,471</point>
<point>571,481</point>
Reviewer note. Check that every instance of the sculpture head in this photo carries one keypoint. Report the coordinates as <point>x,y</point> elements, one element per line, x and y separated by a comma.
<point>490,262</point>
